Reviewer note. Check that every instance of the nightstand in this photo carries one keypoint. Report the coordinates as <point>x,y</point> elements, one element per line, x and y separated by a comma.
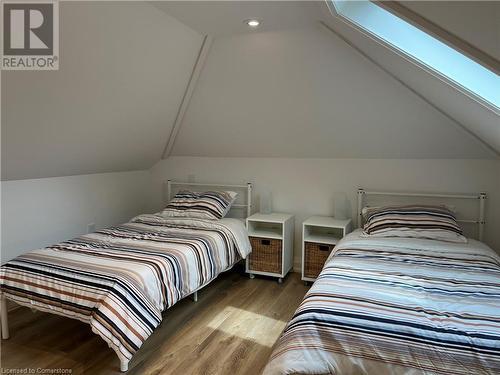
<point>320,234</point>
<point>271,236</point>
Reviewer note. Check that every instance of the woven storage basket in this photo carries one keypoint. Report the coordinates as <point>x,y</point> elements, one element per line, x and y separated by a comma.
<point>315,257</point>
<point>265,255</point>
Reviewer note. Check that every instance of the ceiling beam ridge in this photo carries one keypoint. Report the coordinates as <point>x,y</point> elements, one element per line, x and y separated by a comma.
<point>419,95</point>
<point>450,39</point>
<point>188,93</point>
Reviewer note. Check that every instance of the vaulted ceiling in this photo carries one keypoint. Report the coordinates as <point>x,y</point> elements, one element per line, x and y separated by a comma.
<point>295,87</point>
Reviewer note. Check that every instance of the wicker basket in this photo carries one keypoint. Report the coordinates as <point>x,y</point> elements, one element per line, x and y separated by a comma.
<point>315,257</point>
<point>265,255</point>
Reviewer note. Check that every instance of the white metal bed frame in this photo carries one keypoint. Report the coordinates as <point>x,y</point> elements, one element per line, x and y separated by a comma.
<point>481,197</point>
<point>248,211</point>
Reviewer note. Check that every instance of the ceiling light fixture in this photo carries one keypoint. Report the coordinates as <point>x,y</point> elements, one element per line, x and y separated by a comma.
<point>252,22</point>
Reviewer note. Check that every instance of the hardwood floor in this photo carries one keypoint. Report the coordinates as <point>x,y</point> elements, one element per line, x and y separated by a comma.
<point>230,330</point>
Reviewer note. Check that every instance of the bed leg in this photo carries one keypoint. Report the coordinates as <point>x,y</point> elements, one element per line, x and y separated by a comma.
<point>4,318</point>
<point>123,365</point>
<point>195,296</point>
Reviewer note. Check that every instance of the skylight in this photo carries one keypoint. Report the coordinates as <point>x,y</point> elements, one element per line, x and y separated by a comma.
<point>421,46</point>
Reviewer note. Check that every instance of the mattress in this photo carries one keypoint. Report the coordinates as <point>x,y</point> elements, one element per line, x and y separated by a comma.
<point>397,306</point>
<point>120,279</point>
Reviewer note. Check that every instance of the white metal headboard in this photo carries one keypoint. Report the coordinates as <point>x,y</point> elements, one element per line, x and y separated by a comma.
<point>247,202</point>
<point>481,197</point>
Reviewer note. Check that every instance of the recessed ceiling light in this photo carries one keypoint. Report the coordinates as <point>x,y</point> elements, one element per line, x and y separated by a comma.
<point>252,22</point>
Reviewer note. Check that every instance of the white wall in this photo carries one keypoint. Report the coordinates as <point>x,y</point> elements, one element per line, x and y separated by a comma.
<point>40,212</point>
<point>305,187</point>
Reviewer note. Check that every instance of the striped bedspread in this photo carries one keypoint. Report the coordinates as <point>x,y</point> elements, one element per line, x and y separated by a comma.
<point>397,306</point>
<point>120,279</point>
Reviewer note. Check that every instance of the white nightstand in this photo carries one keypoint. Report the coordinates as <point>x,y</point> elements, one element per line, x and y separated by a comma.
<point>320,234</point>
<point>271,236</point>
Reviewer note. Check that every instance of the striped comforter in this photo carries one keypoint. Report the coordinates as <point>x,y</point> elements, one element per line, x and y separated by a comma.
<point>120,279</point>
<point>397,306</point>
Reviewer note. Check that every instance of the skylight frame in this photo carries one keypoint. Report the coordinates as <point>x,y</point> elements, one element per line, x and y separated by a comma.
<point>492,102</point>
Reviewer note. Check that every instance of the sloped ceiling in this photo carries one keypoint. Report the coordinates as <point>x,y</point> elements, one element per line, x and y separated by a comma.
<point>307,93</point>
<point>480,121</point>
<point>296,93</point>
<point>292,88</point>
<point>124,67</point>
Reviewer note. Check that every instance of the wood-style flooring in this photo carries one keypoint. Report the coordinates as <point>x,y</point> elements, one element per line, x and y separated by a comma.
<point>230,330</point>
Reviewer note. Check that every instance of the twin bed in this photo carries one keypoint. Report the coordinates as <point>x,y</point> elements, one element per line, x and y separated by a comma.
<point>381,305</point>
<point>119,280</point>
<point>398,305</point>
